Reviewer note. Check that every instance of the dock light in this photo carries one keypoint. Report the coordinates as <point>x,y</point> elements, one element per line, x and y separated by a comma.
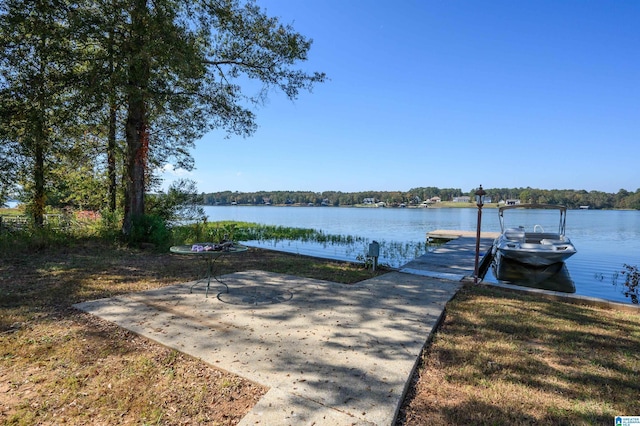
<point>480,193</point>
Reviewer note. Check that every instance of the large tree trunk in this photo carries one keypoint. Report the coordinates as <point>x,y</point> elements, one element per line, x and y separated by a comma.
<point>137,146</point>
<point>136,126</point>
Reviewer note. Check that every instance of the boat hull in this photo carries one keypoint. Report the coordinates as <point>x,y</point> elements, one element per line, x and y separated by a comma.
<point>535,254</point>
<point>535,257</point>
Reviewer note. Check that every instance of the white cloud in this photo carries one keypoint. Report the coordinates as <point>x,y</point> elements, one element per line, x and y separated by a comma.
<point>169,171</point>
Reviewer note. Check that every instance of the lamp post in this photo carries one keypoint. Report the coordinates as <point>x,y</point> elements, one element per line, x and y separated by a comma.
<point>480,193</point>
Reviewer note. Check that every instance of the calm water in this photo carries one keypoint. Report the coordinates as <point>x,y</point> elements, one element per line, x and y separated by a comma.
<point>605,240</point>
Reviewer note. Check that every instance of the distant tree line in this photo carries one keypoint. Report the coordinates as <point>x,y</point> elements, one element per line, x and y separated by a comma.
<point>569,197</point>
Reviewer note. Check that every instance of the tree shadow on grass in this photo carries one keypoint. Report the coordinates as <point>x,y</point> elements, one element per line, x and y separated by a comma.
<point>577,364</point>
<point>52,280</point>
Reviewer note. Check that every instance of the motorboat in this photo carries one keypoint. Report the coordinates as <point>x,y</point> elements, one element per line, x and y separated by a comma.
<point>535,247</point>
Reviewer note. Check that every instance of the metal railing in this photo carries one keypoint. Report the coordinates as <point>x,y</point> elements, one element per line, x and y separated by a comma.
<point>21,222</point>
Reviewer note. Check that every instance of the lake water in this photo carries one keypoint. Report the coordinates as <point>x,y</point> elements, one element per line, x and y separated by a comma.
<point>605,240</point>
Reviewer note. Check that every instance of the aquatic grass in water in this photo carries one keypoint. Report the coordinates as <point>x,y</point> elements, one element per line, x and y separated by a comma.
<point>245,231</point>
<point>632,283</point>
<point>393,254</point>
<point>630,288</point>
<point>301,241</point>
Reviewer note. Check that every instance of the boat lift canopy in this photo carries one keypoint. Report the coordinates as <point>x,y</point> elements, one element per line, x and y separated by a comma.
<point>561,208</point>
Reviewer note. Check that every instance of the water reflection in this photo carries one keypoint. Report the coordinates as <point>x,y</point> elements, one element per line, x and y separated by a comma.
<point>393,254</point>
<point>582,280</point>
<point>553,277</point>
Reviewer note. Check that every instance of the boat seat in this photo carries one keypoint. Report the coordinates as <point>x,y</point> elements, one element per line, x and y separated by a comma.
<point>551,242</point>
<point>538,237</point>
<point>514,234</point>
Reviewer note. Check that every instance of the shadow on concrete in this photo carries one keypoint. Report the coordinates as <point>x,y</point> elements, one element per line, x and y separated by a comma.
<point>347,350</point>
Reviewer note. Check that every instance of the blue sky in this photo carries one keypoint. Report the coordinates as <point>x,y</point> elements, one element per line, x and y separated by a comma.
<point>451,94</point>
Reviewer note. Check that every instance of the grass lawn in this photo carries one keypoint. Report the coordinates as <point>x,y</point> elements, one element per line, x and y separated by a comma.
<point>503,358</point>
<point>498,358</point>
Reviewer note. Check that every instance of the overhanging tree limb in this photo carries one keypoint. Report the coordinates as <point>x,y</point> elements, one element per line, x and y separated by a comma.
<point>211,45</point>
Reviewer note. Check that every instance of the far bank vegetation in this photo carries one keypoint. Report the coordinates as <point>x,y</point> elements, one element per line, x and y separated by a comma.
<point>623,199</point>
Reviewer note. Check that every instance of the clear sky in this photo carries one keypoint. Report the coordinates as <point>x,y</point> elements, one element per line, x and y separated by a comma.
<point>446,93</point>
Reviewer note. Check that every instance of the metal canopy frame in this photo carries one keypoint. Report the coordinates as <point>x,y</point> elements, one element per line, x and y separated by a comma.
<point>561,208</point>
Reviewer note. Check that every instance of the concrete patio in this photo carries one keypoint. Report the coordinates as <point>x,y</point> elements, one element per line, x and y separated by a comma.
<point>331,354</point>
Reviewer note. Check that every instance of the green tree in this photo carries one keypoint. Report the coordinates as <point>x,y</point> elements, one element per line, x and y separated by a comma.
<point>164,72</point>
<point>78,178</point>
<point>8,168</point>
<point>179,204</point>
<point>183,64</point>
<point>633,201</point>
<point>35,60</point>
<point>100,27</point>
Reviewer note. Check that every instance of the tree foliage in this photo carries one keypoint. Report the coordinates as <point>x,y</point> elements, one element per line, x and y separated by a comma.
<point>35,94</point>
<point>181,203</point>
<point>96,89</point>
<point>183,62</point>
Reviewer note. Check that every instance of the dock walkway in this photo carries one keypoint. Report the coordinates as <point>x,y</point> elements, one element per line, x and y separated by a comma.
<point>453,260</point>
<point>451,234</point>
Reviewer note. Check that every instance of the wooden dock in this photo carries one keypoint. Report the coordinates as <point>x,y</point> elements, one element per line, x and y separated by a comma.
<point>454,259</point>
<point>452,234</point>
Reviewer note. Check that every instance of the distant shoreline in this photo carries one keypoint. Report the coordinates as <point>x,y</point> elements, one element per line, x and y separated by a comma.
<point>441,205</point>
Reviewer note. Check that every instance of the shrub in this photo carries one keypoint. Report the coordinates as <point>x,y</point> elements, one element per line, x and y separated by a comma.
<point>31,238</point>
<point>149,229</point>
<point>180,205</point>
<point>201,232</point>
<point>109,226</point>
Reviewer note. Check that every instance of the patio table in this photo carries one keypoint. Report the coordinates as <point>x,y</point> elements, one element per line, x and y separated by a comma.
<point>210,252</point>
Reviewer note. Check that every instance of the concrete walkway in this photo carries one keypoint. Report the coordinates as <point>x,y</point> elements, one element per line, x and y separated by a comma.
<point>331,354</point>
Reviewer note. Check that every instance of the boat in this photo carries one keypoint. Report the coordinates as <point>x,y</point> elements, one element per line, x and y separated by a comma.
<point>536,247</point>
